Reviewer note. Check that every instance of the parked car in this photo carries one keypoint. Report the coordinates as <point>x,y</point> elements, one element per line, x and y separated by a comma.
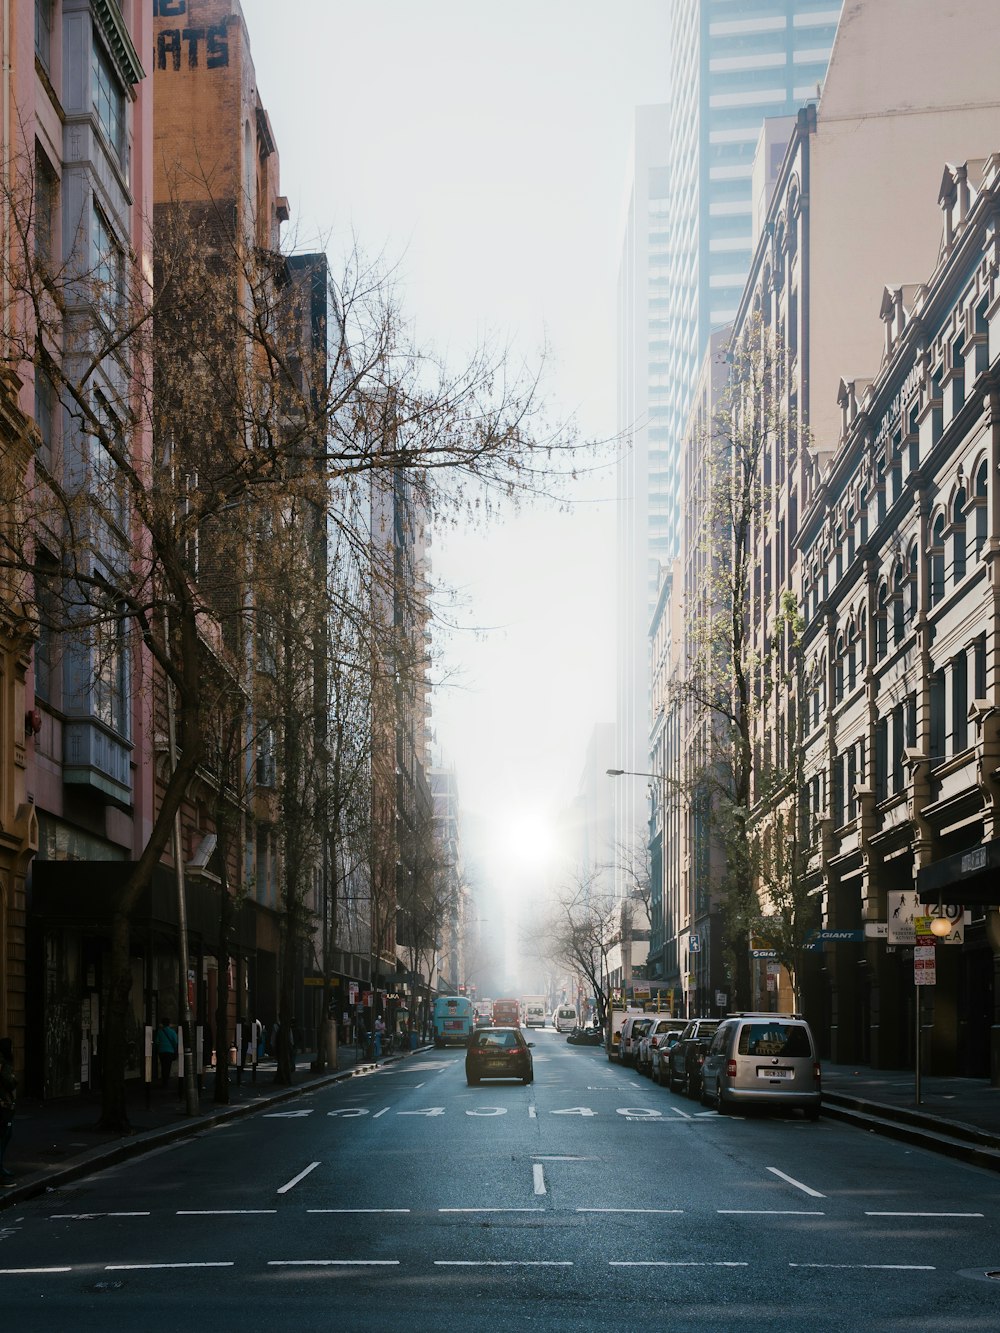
<point>632,1029</point>
<point>660,1071</point>
<point>586,1037</point>
<point>565,1018</point>
<point>649,1042</point>
<point>765,1060</point>
<point>498,1053</point>
<point>688,1056</point>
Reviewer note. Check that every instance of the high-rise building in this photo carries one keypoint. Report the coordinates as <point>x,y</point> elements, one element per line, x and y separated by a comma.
<point>733,63</point>
<point>685,256</point>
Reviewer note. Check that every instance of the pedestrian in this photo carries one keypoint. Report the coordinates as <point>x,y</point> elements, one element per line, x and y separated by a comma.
<point>166,1049</point>
<point>379,1034</point>
<point>8,1100</point>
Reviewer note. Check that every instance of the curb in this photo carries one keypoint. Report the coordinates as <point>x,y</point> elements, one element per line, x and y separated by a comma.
<point>962,1142</point>
<point>101,1157</point>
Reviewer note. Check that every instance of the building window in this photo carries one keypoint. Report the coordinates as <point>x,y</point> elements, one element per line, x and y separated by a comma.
<point>881,624</point>
<point>937,560</point>
<point>109,102</point>
<point>43,31</point>
<point>45,411</point>
<point>265,767</point>
<point>960,702</point>
<point>981,515</point>
<point>958,538</point>
<point>898,625</point>
<point>47,252</point>
<point>979,667</point>
<point>937,717</point>
<point>111,674</point>
<point>106,478</point>
<point>107,264</point>
<point>46,678</point>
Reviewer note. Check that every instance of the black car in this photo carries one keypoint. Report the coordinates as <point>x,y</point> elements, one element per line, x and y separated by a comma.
<point>498,1053</point>
<point>688,1056</point>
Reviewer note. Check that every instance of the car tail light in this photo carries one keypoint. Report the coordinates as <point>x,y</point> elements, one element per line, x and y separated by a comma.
<point>730,1068</point>
<point>817,1073</point>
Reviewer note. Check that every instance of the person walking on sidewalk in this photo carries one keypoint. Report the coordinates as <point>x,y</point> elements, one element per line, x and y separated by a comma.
<point>166,1049</point>
<point>8,1100</point>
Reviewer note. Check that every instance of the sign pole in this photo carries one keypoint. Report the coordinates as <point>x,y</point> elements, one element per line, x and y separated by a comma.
<point>917,991</point>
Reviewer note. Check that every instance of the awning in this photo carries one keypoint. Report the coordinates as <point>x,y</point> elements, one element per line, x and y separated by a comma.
<point>970,878</point>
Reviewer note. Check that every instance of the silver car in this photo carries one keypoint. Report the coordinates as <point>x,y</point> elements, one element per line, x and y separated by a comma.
<point>765,1060</point>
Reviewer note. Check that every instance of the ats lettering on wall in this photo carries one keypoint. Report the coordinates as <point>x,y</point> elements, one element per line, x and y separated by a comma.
<point>210,44</point>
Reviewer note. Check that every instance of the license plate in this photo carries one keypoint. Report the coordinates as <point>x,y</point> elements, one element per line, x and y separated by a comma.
<point>496,1064</point>
<point>764,1072</point>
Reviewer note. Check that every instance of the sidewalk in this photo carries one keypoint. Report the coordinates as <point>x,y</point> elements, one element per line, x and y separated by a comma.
<point>56,1142</point>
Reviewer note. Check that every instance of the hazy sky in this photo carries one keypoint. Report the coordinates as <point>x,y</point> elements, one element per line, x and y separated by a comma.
<point>484,144</point>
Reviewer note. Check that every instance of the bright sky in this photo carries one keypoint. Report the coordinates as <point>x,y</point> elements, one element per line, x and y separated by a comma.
<point>484,144</point>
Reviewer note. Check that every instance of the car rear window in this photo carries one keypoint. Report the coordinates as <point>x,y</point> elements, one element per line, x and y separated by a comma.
<point>784,1039</point>
<point>506,1040</point>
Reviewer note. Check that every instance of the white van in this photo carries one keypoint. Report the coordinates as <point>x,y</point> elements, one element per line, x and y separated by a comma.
<point>565,1018</point>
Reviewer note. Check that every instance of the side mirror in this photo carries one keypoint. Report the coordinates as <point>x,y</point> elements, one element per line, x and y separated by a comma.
<point>530,1043</point>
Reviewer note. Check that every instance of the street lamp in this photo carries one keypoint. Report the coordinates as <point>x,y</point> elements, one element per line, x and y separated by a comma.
<point>628,773</point>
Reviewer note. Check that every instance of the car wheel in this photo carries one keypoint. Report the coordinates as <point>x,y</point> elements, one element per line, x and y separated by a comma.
<point>721,1105</point>
<point>704,1095</point>
<point>812,1113</point>
<point>472,1081</point>
<point>671,1080</point>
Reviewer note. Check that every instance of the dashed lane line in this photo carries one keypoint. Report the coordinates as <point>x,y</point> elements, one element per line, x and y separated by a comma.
<point>867,1214</point>
<point>333,1263</point>
<point>538,1174</point>
<point>357,1210</point>
<point>768,1212</point>
<point>138,1268</point>
<point>222,1212</point>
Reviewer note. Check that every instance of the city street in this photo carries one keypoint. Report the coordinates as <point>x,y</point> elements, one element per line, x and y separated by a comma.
<point>591,1197</point>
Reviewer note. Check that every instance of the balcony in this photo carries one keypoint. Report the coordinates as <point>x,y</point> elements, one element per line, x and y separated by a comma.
<point>94,757</point>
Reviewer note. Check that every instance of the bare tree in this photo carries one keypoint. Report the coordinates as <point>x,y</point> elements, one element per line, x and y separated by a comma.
<point>188,397</point>
<point>583,929</point>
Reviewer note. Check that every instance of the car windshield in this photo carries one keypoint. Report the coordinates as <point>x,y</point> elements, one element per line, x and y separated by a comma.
<point>783,1039</point>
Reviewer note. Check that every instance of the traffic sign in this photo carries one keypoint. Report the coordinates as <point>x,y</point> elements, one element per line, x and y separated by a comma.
<point>904,905</point>
<point>694,944</point>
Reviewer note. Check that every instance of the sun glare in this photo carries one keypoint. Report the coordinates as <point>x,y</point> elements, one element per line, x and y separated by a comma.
<point>530,842</point>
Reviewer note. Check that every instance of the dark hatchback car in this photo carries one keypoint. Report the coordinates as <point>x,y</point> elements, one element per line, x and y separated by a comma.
<point>498,1053</point>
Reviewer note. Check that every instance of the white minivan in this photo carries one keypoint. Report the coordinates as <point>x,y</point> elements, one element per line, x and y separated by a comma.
<point>565,1018</point>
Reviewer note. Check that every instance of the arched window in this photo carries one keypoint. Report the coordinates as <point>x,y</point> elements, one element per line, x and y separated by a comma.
<point>862,641</point>
<point>981,515</point>
<point>958,537</point>
<point>881,623</point>
<point>898,625</point>
<point>852,657</point>
<point>912,583</point>
<point>838,671</point>
<point>937,560</point>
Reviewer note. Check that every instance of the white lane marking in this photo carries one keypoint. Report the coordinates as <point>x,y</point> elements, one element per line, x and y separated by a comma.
<point>487,1110</point>
<point>357,1210</point>
<point>133,1268</point>
<point>427,1110</point>
<point>503,1263</point>
<point>538,1171</point>
<point>769,1212</point>
<point>894,1268</point>
<point>333,1263</point>
<point>416,1086</point>
<point>378,1113</point>
<point>925,1214</point>
<point>286,1115</point>
<point>684,1115</point>
<point>677,1263</point>
<point>87,1217</point>
<point>21,1272</point>
<point>295,1179</point>
<point>491,1210</point>
<point>790,1180</point>
<point>539,1157</point>
<point>222,1212</point>
<point>532,1113</point>
<point>630,1210</point>
<point>349,1112</point>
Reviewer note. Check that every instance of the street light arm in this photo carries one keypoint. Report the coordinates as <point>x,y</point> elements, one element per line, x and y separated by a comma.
<point>628,773</point>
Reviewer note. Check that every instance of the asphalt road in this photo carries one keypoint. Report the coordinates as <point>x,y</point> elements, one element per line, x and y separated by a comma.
<point>591,1199</point>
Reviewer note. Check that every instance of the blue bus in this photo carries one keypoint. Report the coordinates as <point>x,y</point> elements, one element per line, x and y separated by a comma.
<point>452,1020</point>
